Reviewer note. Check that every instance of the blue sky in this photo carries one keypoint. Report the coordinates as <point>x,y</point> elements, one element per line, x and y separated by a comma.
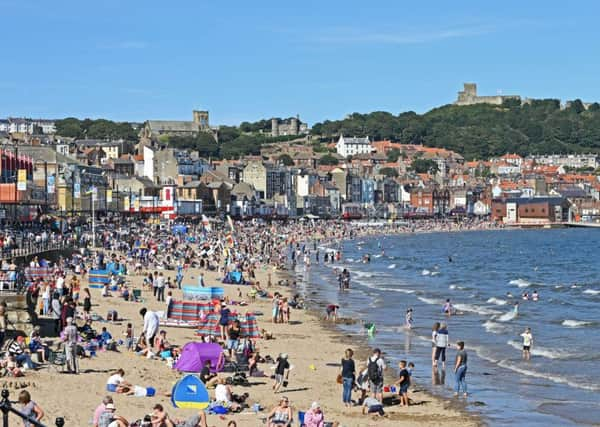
<point>246,60</point>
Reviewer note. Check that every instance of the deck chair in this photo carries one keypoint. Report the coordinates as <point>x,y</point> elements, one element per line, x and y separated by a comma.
<point>57,360</point>
<point>301,418</point>
<point>137,295</point>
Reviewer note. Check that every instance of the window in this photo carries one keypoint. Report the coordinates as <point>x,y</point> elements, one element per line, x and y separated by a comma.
<point>526,210</point>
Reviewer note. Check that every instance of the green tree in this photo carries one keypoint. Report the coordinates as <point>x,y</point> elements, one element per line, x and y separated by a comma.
<point>206,145</point>
<point>286,160</point>
<point>393,155</point>
<point>424,166</point>
<point>69,128</point>
<point>391,172</point>
<point>328,159</point>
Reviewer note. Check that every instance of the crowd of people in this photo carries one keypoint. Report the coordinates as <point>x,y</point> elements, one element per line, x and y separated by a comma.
<point>163,256</point>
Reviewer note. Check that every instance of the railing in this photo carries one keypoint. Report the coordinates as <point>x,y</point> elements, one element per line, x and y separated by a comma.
<point>6,408</point>
<point>28,248</point>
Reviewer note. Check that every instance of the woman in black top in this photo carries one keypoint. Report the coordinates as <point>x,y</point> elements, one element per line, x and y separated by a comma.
<point>348,376</point>
<point>233,333</point>
<point>87,303</point>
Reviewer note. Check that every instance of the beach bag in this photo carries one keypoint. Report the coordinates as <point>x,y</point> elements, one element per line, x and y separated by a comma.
<point>373,372</point>
<point>339,379</point>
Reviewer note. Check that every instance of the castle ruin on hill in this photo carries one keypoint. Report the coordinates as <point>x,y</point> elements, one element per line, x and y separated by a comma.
<point>468,96</point>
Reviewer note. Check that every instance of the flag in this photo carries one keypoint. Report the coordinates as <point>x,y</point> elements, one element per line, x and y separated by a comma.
<point>230,222</point>
<point>109,196</point>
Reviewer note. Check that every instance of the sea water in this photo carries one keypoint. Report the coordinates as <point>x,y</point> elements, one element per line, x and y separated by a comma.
<point>484,274</point>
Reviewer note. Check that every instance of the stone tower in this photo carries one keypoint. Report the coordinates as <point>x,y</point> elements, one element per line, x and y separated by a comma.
<point>294,126</point>
<point>274,127</point>
<point>201,118</point>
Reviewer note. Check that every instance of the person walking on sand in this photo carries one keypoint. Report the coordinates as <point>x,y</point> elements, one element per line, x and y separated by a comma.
<point>460,369</point>
<point>375,367</point>
<point>151,322</point>
<point>348,376</point>
<point>282,372</point>
<point>71,337</point>
<point>527,343</point>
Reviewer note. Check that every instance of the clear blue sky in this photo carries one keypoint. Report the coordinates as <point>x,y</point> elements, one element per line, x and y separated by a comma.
<point>246,60</point>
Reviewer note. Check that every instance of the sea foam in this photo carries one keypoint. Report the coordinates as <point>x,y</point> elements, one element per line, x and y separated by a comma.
<point>520,283</point>
<point>575,323</point>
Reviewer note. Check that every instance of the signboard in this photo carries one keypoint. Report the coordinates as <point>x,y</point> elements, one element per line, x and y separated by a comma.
<point>94,192</point>
<point>22,180</point>
<point>109,196</point>
<point>136,203</point>
<point>126,204</point>
<point>77,190</point>
<point>51,187</point>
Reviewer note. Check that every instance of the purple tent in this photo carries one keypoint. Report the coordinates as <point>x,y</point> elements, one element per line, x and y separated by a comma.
<point>195,354</point>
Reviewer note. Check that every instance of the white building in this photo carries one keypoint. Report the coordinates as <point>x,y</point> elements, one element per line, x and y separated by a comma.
<point>28,126</point>
<point>352,146</point>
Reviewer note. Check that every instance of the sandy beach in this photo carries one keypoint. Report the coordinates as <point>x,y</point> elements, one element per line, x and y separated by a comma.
<point>314,350</point>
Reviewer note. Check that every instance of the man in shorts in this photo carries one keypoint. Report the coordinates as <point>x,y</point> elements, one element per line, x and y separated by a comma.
<point>375,368</point>
<point>282,372</point>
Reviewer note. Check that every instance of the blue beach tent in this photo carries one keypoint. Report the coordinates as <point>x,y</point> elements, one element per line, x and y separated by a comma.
<point>190,393</point>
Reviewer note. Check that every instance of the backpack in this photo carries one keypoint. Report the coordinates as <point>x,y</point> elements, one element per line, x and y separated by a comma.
<point>373,371</point>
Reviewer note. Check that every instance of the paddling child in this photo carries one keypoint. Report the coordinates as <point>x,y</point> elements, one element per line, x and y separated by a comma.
<point>409,318</point>
<point>527,343</point>
<point>447,309</point>
<point>332,312</point>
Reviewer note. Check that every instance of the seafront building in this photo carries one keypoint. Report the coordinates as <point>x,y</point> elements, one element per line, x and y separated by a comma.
<point>359,179</point>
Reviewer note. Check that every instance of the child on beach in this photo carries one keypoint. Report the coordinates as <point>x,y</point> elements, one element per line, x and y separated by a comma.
<point>409,318</point>
<point>403,382</point>
<point>129,337</point>
<point>527,342</point>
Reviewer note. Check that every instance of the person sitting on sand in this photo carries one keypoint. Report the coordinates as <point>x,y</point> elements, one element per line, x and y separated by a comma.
<point>36,345</point>
<point>224,396</point>
<point>19,350</point>
<point>197,420</point>
<point>162,345</point>
<point>141,347</point>
<point>209,379</point>
<point>108,418</point>
<point>314,416</point>
<point>371,406</point>
<point>117,384</point>
<point>281,415</point>
<point>159,417</point>
<point>100,409</point>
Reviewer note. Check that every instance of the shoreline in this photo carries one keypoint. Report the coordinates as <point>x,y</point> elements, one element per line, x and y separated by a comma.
<point>417,393</point>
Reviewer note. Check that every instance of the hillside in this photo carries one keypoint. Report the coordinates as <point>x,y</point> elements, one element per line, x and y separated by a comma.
<point>481,131</point>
